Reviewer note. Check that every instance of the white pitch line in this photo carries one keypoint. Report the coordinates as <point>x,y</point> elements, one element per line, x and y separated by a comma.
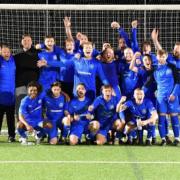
<point>89,162</point>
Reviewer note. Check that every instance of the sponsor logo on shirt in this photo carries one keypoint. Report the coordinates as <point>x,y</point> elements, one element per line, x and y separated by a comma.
<point>84,73</point>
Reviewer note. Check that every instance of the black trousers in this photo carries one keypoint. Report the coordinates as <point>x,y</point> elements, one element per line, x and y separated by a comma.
<point>10,111</point>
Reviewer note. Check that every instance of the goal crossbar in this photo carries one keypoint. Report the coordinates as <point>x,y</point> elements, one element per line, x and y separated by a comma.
<point>89,7</point>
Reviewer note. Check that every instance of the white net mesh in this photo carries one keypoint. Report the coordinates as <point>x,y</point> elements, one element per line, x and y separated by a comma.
<point>95,23</point>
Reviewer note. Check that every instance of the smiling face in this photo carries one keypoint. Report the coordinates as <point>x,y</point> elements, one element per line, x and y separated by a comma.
<point>147,62</point>
<point>108,55</point>
<point>88,50</point>
<point>56,91</point>
<point>81,91</point>
<point>69,46</point>
<point>139,96</point>
<point>26,42</point>
<point>5,53</point>
<point>49,43</point>
<point>83,39</point>
<point>32,92</point>
<point>121,43</point>
<point>128,54</point>
<point>146,47</point>
<point>107,92</point>
<point>176,50</point>
<point>161,57</point>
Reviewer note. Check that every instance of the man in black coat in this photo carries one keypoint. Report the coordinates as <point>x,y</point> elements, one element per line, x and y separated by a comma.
<point>26,68</point>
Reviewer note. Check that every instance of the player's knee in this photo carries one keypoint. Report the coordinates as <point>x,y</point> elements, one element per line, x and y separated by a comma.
<point>129,127</point>
<point>47,124</point>
<point>73,140</point>
<point>117,125</point>
<point>94,126</point>
<point>66,121</point>
<point>53,141</point>
<point>20,125</point>
<point>100,139</point>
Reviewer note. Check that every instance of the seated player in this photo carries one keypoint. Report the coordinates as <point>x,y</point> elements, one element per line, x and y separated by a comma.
<point>104,107</point>
<point>55,105</point>
<point>30,114</point>
<point>143,115</point>
<point>144,72</point>
<point>80,117</point>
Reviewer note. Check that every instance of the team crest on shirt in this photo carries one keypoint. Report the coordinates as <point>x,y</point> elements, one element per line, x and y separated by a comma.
<point>168,71</point>
<point>91,66</point>
<point>60,104</point>
<point>111,107</point>
<point>54,57</point>
<point>144,111</point>
<point>39,101</point>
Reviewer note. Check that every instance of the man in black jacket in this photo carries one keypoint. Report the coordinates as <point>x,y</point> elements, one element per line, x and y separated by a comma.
<point>26,68</point>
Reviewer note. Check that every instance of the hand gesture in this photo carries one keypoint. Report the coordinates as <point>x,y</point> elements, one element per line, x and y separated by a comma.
<point>134,24</point>
<point>38,46</point>
<point>154,34</point>
<point>123,99</point>
<point>42,63</point>
<point>137,55</point>
<point>115,25</point>
<point>67,21</point>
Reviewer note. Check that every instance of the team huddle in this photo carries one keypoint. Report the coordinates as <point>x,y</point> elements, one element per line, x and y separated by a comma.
<point>82,95</point>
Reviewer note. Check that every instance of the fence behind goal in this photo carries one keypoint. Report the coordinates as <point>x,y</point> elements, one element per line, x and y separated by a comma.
<point>93,20</point>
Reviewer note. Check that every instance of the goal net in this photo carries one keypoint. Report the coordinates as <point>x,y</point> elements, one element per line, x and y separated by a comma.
<point>93,20</point>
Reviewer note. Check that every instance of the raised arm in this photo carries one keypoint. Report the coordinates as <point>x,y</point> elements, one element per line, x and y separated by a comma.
<point>134,42</point>
<point>122,33</point>
<point>154,36</point>
<point>67,25</point>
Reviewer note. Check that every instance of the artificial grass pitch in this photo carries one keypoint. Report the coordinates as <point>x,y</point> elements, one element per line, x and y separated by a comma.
<point>41,162</point>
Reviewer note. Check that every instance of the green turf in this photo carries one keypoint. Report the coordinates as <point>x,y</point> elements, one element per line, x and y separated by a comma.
<point>68,171</point>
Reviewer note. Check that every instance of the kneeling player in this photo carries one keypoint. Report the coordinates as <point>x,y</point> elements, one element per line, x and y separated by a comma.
<point>56,106</point>
<point>144,115</point>
<point>80,117</point>
<point>107,119</point>
<point>30,113</point>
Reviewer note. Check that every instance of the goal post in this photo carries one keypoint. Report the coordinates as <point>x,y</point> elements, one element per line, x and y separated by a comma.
<point>93,20</point>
